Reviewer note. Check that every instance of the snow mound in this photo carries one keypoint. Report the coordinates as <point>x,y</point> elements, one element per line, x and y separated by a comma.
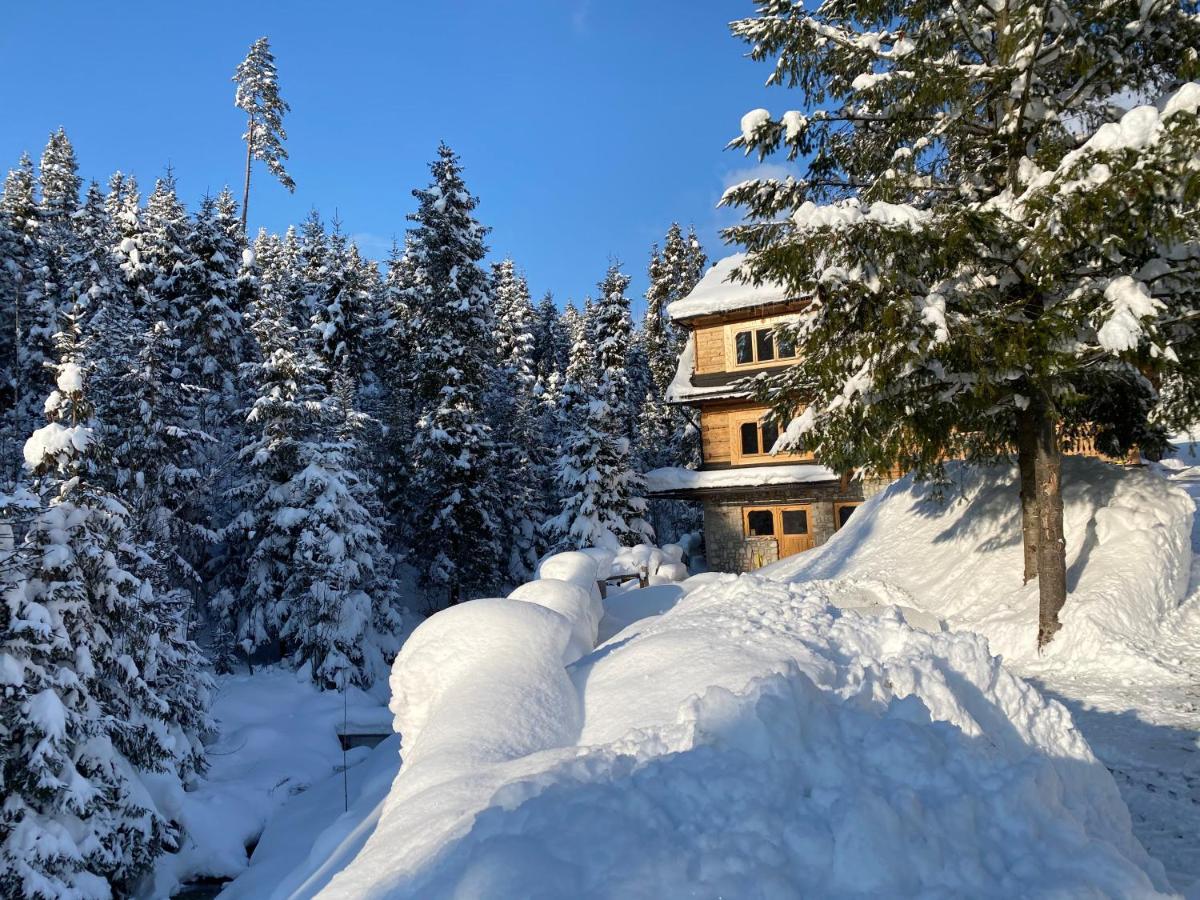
<point>752,739</point>
<point>1128,534</point>
<point>581,608</point>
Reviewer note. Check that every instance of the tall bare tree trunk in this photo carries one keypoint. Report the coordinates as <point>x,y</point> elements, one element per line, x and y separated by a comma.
<point>246,191</point>
<point>1027,432</point>
<point>1052,546</point>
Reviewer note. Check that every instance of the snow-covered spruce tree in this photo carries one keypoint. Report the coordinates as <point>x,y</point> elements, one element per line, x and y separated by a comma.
<point>341,616</point>
<point>1001,255</point>
<point>24,293</point>
<point>84,716</point>
<point>316,574</point>
<point>309,270</point>
<point>458,498</point>
<point>339,298</point>
<point>552,344</point>
<point>258,97</point>
<point>163,280</point>
<point>599,488</point>
<point>667,435</point>
<point>674,271</point>
<point>282,415</point>
<point>210,329</point>
<point>514,411</point>
<point>396,347</point>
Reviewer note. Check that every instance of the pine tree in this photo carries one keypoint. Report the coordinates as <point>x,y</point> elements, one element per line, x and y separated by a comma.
<point>674,271</point>
<point>458,517</point>
<point>340,300</point>
<point>342,618</point>
<point>667,436</point>
<point>397,361</point>
<point>258,97</point>
<point>597,483</point>
<point>210,328</point>
<point>551,345</point>
<point>23,302</point>
<point>91,709</point>
<point>515,418</point>
<point>994,263</point>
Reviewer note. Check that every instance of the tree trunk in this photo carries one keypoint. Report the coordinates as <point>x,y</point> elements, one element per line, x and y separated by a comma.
<point>1027,431</point>
<point>1052,547</point>
<point>246,190</point>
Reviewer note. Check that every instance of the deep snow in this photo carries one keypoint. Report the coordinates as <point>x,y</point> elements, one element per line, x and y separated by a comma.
<point>750,736</point>
<point>828,726</point>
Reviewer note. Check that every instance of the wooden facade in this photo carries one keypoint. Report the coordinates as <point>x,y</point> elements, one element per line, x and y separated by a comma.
<point>752,522</point>
<point>750,525</point>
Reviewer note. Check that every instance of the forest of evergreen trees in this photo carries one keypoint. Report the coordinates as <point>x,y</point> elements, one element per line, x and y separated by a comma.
<point>231,451</point>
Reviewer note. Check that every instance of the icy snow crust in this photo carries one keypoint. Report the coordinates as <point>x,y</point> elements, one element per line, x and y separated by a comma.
<point>748,736</point>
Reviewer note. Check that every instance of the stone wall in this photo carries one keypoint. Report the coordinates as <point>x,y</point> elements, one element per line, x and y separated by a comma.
<point>726,548</point>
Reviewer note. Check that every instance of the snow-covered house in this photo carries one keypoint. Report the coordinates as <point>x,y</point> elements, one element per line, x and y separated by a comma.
<point>758,506</point>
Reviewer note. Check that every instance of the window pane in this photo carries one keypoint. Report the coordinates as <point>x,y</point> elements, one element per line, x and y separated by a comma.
<point>742,342</point>
<point>844,514</point>
<point>765,344</point>
<point>787,346</point>
<point>750,439</point>
<point>760,523</point>
<point>795,521</point>
<point>770,434</point>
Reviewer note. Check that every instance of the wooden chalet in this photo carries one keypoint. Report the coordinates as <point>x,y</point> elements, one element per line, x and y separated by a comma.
<point>758,507</point>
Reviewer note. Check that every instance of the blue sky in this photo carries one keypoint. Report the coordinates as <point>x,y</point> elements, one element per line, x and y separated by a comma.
<point>585,126</point>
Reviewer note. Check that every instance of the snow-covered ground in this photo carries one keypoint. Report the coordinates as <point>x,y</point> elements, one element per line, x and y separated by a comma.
<point>834,725</point>
<point>278,738</point>
<point>1127,662</point>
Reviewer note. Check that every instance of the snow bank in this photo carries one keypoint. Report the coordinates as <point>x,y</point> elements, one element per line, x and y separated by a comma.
<point>673,478</point>
<point>717,293</point>
<point>1128,562</point>
<point>753,737</point>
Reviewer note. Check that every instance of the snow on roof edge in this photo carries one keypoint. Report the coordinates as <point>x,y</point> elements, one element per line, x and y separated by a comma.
<point>672,478</point>
<point>716,293</point>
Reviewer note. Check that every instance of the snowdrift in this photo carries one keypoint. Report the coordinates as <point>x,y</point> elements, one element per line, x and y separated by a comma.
<point>747,739</point>
<point>959,558</point>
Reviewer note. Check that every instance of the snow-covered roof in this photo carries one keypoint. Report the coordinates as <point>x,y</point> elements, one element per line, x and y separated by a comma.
<point>672,479</point>
<point>682,390</point>
<point>716,293</point>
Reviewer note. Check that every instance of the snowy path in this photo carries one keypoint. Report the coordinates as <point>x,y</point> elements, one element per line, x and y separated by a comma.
<point>1149,736</point>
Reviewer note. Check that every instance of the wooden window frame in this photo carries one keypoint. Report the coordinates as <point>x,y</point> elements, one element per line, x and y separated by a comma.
<point>838,506</point>
<point>753,328</point>
<point>775,523</point>
<point>736,457</point>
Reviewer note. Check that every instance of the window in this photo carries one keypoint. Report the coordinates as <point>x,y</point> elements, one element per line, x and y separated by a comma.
<point>787,346</point>
<point>760,523</point>
<point>748,435</point>
<point>770,434</point>
<point>749,431</point>
<point>764,344</point>
<point>744,346</point>
<point>795,521</point>
<point>842,512</point>
<point>761,345</point>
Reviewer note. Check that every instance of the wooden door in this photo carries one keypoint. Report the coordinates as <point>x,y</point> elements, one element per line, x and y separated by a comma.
<point>793,529</point>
